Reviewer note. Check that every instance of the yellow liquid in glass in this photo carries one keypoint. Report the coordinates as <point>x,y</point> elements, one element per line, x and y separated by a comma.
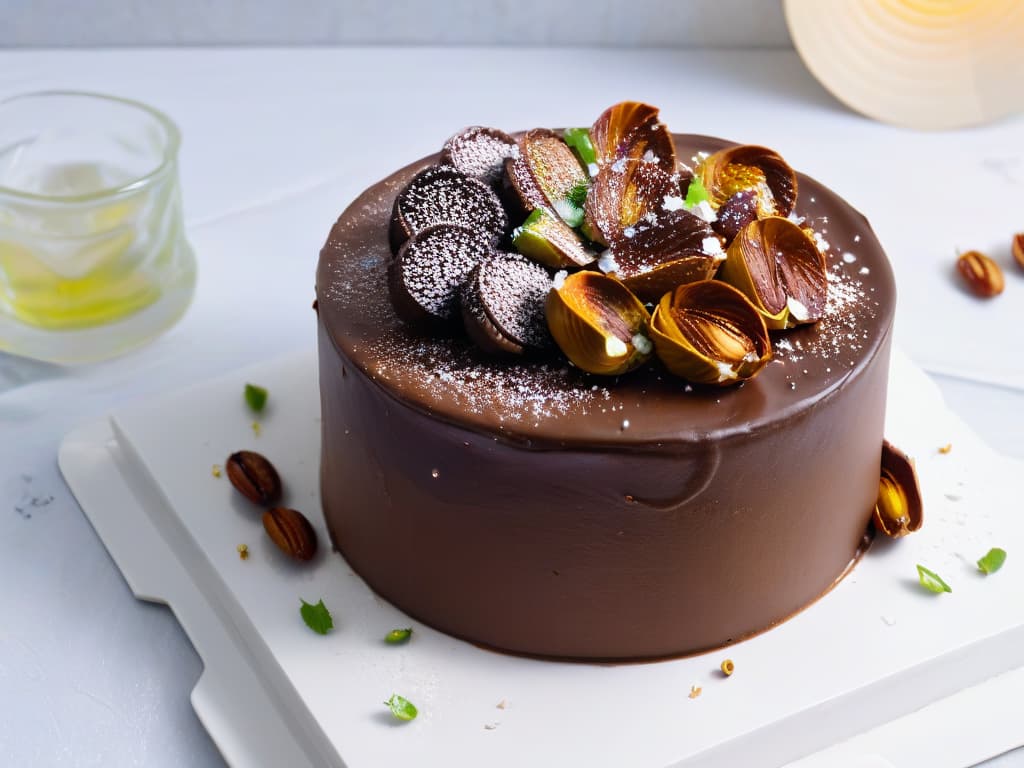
<point>92,267</point>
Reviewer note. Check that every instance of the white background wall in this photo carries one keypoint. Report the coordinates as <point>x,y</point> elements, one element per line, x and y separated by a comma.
<point>746,23</point>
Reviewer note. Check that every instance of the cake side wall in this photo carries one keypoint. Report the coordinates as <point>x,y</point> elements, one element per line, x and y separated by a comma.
<point>602,553</point>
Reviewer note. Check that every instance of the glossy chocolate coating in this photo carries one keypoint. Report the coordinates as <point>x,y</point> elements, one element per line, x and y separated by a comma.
<point>529,507</point>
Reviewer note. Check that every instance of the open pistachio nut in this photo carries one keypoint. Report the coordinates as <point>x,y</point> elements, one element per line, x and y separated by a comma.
<point>899,509</point>
<point>598,324</point>
<point>750,167</point>
<point>776,265</point>
<point>709,333</point>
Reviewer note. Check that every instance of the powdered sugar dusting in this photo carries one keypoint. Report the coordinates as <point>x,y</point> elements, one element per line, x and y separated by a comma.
<point>480,152</point>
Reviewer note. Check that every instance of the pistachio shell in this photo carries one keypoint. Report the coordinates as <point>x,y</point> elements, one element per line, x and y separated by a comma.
<point>630,130</point>
<point>599,325</point>
<point>899,509</point>
<point>548,240</point>
<point>709,333</point>
<point>776,265</point>
<point>748,166</point>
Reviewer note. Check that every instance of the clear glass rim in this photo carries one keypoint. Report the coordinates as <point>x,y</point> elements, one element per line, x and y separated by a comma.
<point>169,154</point>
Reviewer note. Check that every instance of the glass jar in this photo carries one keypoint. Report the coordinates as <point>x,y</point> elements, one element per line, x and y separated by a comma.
<point>93,256</point>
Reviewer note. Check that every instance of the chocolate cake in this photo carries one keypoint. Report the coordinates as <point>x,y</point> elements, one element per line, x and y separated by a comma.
<point>505,495</point>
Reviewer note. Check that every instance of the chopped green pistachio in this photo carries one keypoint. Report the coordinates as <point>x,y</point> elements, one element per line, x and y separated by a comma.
<point>401,708</point>
<point>317,617</point>
<point>256,397</point>
<point>992,561</point>
<point>579,140</point>
<point>397,636</point>
<point>696,194</point>
<point>931,580</point>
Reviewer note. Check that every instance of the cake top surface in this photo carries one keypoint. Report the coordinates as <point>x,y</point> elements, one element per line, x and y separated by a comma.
<point>543,400</point>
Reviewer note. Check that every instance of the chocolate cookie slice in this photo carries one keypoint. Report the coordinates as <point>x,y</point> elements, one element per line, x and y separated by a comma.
<point>441,194</point>
<point>480,152</point>
<point>425,278</point>
<point>503,304</point>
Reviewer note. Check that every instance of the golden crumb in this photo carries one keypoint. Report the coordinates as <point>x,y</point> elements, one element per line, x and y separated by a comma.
<point>695,691</point>
<point>728,667</point>
<point>502,704</point>
<point>946,448</point>
<point>256,428</point>
<point>243,551</point>
<point>217,470</point>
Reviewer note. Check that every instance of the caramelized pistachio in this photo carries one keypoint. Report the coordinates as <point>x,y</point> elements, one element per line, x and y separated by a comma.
<point>778,267</point>
<point>899,510</point>
<point>630,130</point>
<point>750,167</point>
<point>599,325</point>
<point>548,240</point>
<point>709,333</point>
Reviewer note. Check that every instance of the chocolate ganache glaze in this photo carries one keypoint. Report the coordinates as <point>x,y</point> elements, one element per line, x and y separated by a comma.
<point>526,506</point>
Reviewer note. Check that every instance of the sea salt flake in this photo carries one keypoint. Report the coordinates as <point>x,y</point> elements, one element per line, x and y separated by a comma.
<point>642,344</point>
<point>703,210</point>
<point>606,263</point>
<point>712,246</point>
<point>673,203</point>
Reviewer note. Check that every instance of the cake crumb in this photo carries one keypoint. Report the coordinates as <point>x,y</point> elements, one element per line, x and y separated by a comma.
<point>490,726</point>
<point>256,428</point>
<point>503,704</point>
<point>888,621</point>
<point>695,691</point>
<point>243,551</point>
<point>946,448</point>
<point>217,470</point>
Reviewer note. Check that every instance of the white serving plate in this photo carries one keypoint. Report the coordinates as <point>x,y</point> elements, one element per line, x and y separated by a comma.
<point>923,679</point>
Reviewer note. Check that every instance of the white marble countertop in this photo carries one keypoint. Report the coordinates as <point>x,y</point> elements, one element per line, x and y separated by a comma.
<point>276,143</point>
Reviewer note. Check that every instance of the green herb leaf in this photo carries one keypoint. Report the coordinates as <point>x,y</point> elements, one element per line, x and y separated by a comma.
<point>992,561</point>
<point>401,708</point>
<point>317,617</point>
<point>696,194</point>
<point>931,580</point>
<point>579,140</point>
<point>569,212</point>
<point>397,636</point>
<point>256,397</point>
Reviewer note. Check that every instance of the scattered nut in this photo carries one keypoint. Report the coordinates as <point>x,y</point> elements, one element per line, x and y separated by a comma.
<point>728,667</point>
<point>899,510</point>
<point>983,276</point>
<point>1018,248</point>
<point>254,477</point>
<point>291,531</point>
